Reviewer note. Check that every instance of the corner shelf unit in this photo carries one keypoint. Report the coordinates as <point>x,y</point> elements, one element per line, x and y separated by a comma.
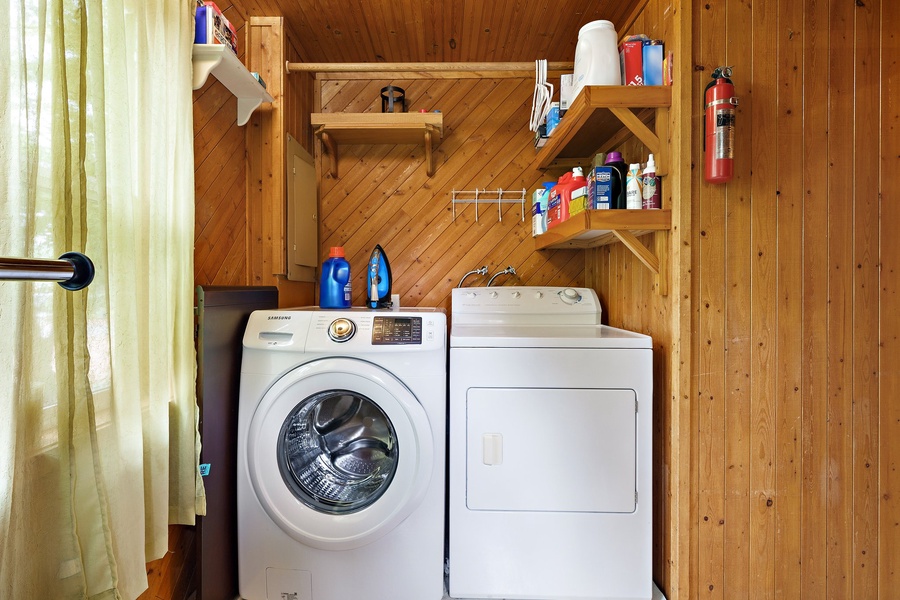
<point>219,60</point>
<point>378,128</point>
<point>599,120</point>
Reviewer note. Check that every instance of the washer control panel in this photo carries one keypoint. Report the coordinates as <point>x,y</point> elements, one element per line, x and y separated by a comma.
<point>356,330</point>
<point>387,331</point>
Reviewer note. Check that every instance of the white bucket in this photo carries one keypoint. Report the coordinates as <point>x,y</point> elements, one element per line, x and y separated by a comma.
<point>596,56</point>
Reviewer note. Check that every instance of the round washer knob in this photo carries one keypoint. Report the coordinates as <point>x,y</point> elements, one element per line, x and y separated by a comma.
<point>570,296</point>
<point>516,294</point>
<point>494,294</point>
<point>469,294</point>
<point>341,330</point>
<point>539,295</point>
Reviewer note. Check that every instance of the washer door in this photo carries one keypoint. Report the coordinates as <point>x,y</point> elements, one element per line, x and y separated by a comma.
<point>339,452</point>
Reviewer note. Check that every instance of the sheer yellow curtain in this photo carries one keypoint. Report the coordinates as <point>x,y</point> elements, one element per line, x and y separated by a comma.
<point>98,418</point>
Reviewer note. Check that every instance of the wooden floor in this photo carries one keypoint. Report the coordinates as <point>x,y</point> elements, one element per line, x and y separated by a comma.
<point>172,576</point>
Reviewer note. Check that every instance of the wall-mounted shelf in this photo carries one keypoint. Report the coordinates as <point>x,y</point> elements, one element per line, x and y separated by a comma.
<point>378,128</point>
<point>593,228</point>
<point>599,120</point>
<point>220,61</point>
<point>602,117</point>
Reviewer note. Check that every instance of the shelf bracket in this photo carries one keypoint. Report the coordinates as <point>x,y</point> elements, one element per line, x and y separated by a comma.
<point>650,138</point>
<point>656,263</point>
<point>331,148</point>
<point>429,157</point>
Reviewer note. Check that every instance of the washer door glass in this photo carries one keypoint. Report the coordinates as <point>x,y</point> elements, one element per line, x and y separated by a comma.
<point>337,451</point>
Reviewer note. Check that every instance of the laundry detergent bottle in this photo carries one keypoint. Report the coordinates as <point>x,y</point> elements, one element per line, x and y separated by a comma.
<point>619,174</point>
<point>334,284</point>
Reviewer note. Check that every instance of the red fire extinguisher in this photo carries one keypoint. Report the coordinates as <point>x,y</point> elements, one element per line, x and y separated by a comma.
<point>718,141</point>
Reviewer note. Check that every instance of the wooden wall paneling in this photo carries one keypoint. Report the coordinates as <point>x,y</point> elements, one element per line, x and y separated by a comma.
<point>763,279</point>
<point>220,172</point>
<point>789,299</point>
<point>270,42</point>
<point>889,325</point>
<point>413,220</point>
<point>265,177</point>
<point>383,196</point>
<point>218,163</point>
<point>738,295</point>
<point>298,96</point>
<point>714,447</point>
<point>490,236</point>
<point>864,322</point>
<point>838,524</point>
<point>678,406</point>
<point>815,300</point>
<point>225,229</point>
<point>491,147</point>
<point>208,102</point>
<point>219,191</point>
<point>369,175</point>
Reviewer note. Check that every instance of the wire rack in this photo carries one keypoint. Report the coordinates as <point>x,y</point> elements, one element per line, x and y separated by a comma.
<point>485,196</point>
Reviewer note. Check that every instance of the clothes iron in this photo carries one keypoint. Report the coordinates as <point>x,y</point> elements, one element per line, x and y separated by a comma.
<point>378,280</point>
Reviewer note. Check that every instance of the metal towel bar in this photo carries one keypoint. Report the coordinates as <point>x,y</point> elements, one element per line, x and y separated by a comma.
<point>73,271</point>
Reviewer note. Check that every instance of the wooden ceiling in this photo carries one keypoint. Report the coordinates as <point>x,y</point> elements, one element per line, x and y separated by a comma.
<point>443,30</point>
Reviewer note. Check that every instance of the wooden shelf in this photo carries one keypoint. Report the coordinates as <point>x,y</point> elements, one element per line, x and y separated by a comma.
<point>219,60</point>
<point>593,228</point>
<point>602,117</point>
<point>378,128</point>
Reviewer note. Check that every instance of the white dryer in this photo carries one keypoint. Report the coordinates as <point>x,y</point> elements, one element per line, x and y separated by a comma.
<point>550,448</point>
<point>341,453</point>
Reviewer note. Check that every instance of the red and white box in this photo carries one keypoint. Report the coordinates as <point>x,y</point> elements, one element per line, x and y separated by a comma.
<point>631,56</point>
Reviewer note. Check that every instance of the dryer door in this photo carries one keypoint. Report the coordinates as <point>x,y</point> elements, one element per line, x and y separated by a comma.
<point>339,452</point>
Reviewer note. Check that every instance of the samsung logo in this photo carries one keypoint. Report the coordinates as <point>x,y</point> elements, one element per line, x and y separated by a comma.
<point>279,318</point>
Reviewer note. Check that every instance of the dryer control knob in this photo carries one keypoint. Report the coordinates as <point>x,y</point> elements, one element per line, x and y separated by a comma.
<point>341,330</point>
<point>469,294</point>
<point>494,294</point>
<point>539,295</point>
<point>517,294</point>
<point>570,296</point>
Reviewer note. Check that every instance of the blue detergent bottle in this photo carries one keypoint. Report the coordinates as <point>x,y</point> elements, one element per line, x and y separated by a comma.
<point>334,285</point>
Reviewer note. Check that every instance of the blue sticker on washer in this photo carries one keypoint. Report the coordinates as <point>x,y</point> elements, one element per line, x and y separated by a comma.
<point>204,470</point>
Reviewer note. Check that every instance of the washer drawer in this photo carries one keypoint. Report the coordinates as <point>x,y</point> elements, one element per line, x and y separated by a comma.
<point>551,449</point>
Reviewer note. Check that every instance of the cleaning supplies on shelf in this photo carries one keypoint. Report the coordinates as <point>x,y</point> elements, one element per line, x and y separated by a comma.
<point>334,284</point>
<point>578,200</point>
<point>633,196</point>
<point>539,208</point>
<point>620,170</point>
<point>650,186</point>
<point>599,183</point>
<point>561,194</point>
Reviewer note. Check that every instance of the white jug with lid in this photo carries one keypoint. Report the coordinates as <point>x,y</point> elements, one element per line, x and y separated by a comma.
<point>596,56</point>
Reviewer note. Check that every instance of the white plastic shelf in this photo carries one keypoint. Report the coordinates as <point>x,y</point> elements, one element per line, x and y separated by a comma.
<point>220,61</point>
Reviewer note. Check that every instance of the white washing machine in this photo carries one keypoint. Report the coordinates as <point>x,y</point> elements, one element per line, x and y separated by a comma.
<point>550,448</point>
<point>341,453</point>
